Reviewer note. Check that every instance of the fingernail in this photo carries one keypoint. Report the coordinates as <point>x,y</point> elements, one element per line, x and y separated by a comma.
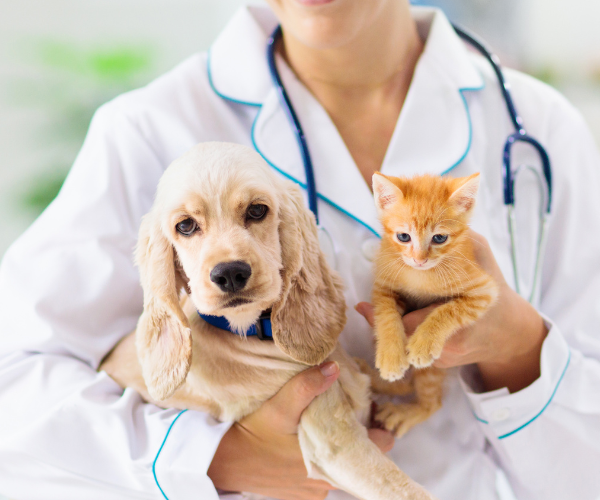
<point>329,369</point>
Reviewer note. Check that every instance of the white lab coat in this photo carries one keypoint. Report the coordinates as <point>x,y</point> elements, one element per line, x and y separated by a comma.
<point>69,290</point>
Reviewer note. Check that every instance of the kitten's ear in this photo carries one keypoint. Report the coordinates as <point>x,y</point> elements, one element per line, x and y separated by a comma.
<point>465,193</point>
<point>386,193</point>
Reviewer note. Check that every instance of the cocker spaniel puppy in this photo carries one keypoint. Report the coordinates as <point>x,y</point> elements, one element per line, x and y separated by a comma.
<point>227,237</point>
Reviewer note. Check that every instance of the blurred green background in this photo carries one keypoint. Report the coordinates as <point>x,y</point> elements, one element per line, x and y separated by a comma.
<point>61,59</point>
<point>73,81</point>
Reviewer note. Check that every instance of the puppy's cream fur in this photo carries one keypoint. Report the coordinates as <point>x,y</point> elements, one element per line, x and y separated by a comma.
<point>186,363</point>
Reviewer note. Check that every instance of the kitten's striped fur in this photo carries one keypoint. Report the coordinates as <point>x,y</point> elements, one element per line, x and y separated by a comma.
<point>412,274</point>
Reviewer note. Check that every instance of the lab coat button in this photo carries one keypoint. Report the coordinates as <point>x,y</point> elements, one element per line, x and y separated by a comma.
<point>500,414</point>
<point>370,248</point>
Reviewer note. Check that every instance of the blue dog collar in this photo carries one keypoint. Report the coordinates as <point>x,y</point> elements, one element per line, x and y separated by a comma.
<point>261,329</point>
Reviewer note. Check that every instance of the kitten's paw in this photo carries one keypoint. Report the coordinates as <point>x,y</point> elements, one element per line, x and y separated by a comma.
<point>422,352</point>
<point>389,416</point>
<point>400,418</point>
<point>392,362</point>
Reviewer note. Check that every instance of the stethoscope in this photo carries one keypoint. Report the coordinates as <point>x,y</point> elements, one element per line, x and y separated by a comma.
<point>509,173</point>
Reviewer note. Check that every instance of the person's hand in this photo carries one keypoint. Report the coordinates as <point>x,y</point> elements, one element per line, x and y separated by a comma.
<point>260,454</point>
<point>505,343</point>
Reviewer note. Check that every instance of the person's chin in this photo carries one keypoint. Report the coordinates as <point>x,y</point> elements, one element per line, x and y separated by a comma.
<point>313,3</point>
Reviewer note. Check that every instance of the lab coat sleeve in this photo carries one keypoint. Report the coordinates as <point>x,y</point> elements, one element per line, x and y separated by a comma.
<point>68,292</point>
<point>547,436</point>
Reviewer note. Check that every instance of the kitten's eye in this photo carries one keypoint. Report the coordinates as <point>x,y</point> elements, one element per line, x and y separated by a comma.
<point>187,227</point>
<point>257,211</point>
<point>438,239</point>
<point>403,237</point>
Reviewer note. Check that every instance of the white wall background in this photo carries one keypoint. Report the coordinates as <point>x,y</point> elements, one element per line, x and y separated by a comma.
<point>563,34</point>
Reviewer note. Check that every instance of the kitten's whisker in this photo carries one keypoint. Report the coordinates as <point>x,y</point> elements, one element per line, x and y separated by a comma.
<point>391,265</point>
<point>453,258</point>
<point>443,276</point>
<point>447,277</point>
<point>470,261</point>
<point>455,272</point>
<point>386,270</point>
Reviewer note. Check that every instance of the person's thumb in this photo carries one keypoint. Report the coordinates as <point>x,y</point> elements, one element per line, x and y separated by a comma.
<point>367,311</point>
<point>282,412</point>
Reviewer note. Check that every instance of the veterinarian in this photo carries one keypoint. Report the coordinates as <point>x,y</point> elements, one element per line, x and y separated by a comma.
<point>377,86</point>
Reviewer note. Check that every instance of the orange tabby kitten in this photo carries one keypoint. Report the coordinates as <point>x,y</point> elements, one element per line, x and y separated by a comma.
<point>426,256</point>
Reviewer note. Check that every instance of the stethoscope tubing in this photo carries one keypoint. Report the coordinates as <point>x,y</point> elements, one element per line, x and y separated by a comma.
<point>508,173</point>
<point>520,134</point>
<point>497,67</point>
<point>311,187</point>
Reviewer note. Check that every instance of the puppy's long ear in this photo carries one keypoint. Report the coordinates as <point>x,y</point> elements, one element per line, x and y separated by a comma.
<point>163,336</point>
<point>311,311</point>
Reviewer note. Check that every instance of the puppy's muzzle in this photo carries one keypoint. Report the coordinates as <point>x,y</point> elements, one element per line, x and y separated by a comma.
<point>231,276</point>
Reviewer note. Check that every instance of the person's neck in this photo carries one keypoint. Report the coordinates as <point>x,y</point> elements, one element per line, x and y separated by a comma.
<point>381,54</point>
<point>363,84</point>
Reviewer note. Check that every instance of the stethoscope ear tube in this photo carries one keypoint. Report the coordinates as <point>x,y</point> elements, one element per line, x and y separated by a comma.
<point>544,216</point>
<point>539,257</point>
<point>541,250</point>
<point>509,176</point>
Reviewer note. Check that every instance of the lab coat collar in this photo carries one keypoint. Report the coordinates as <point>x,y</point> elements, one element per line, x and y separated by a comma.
<point>433,133</point>
<point>237,60</point>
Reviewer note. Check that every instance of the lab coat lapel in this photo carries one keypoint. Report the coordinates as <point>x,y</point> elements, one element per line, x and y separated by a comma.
<point>238,72</point>
<point>338,180</point>
<point>237,63</point>
<point>433,134</point>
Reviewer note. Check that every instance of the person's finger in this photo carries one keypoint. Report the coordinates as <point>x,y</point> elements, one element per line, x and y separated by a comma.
<point>303,494</point>
<point>367,311</point>
<point>320,484</point>
<point>485,257</point>
<point>382,438</point>
<point>283,411</point>
<point>413,319</point>
<point>455,351</point>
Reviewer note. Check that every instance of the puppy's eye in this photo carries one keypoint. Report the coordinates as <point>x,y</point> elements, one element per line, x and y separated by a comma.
<point>257,211</point>
<point>403,237</point>
<point>438,239</point>
<point>187,227</point>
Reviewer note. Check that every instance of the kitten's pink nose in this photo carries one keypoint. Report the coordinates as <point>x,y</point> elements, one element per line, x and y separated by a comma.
<point>420,262</point>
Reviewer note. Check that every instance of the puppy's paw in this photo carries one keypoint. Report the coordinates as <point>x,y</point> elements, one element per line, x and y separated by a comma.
<point>363,366</point>
<point>391,361</point>
<point>423,351</point>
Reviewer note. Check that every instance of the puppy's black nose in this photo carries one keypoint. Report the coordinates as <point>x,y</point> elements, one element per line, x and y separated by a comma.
<point>231,276</point>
